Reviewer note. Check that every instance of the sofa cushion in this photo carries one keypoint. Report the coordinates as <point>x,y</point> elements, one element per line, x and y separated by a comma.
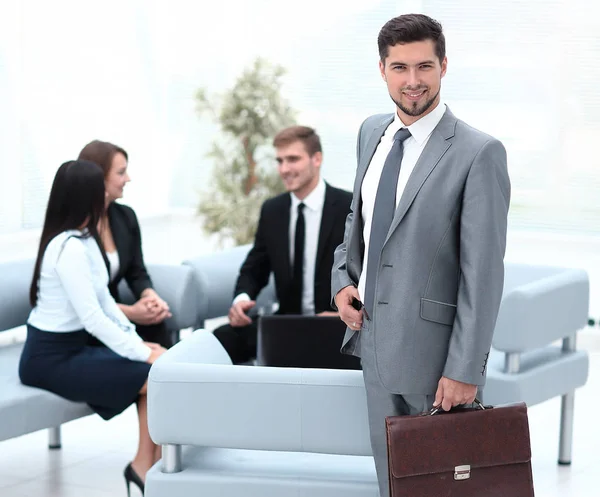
<point>25,409</point>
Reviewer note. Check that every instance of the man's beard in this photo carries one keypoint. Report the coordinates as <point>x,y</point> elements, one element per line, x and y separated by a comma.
<point>415,111</point>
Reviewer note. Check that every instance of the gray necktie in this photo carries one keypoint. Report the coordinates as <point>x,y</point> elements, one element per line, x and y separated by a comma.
<point>383,213</point>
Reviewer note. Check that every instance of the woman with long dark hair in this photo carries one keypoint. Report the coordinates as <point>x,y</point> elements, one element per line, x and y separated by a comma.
<point>71,301</point>
<point>121,238</point>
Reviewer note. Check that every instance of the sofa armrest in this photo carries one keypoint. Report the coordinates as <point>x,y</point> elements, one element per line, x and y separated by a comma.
<point>176,286</point>
<point>215,276</point>
<point>201,347</point>
<point>543,310</point>
<point>195,397</point>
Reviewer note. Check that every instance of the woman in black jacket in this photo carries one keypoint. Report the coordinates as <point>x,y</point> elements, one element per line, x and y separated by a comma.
<point>120,234</point>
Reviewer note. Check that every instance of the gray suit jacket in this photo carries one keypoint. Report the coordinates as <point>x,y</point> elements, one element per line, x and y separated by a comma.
<point>440,281</point>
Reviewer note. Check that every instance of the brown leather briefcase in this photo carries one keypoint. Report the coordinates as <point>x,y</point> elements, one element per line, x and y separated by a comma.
<point>467,452</point>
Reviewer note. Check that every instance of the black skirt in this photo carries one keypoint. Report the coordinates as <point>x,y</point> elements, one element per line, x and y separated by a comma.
<point>64,364</point>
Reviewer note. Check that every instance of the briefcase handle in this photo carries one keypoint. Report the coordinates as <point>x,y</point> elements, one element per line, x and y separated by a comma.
<point>435,410</point>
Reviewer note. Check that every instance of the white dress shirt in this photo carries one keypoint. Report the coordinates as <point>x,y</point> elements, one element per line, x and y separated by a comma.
<point>413,147</point>
<point>73,295</point>
<point>313,212</point>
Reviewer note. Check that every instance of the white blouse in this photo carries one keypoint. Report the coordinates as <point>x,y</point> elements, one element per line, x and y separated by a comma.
<point>115,262</point>
<point>73,295</point>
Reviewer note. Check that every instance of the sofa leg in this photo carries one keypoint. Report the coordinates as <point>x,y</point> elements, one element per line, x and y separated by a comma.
<point>565,444</point>
<point>54,438</point>
<point>171,458</point>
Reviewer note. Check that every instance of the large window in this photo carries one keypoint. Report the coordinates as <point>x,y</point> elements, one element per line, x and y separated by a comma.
<point>126,71</point>
<point>527,72</point>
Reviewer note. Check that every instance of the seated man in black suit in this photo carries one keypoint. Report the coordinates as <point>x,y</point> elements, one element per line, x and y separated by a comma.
<point>296,237</point>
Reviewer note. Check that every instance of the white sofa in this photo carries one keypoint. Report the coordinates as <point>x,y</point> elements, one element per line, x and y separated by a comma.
<point>26,409</point>
<point>257,431</point>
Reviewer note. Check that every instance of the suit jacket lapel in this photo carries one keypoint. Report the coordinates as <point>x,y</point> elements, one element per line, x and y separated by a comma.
<point>283,234</point>
<point>327,220</point>
<point>368,153</point>
<point>363,164</point>
<point>435,149</point>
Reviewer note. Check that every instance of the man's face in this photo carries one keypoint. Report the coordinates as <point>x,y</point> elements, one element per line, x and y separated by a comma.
<point>298,170</point>
<point>413,74</point>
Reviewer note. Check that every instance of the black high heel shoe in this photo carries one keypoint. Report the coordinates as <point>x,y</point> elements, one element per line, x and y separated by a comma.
<point>131,476</point>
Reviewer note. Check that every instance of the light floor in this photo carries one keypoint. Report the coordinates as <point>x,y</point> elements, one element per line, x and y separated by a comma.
<point>95,452</point>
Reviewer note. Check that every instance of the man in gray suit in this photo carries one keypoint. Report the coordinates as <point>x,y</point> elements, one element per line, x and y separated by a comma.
<point>418,278</point>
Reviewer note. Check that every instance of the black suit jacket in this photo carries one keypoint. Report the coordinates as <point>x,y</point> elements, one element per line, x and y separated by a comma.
<point>126,234</point>
<point>271,251</point>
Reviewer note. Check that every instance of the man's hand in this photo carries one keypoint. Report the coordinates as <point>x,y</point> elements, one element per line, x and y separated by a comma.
<point>348,314</point>
<point>237,314</point>
<point>451,393</point>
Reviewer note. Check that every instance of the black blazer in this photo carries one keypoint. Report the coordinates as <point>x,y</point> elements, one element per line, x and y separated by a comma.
<point>271,249</point>
<point>126,234</point>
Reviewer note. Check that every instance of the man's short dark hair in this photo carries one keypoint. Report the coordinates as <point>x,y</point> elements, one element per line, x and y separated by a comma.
<point>409,28</point>
<point>304,134</point>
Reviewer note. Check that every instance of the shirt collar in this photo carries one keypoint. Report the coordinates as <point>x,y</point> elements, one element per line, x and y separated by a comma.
<point>422,128</point>
<point>314,200</point>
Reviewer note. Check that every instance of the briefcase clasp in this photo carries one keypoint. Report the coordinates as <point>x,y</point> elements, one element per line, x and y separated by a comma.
<point>462,472</point>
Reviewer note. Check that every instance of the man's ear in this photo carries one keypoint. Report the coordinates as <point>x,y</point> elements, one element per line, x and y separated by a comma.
<point>382,70</point>
<point>317,159</point>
